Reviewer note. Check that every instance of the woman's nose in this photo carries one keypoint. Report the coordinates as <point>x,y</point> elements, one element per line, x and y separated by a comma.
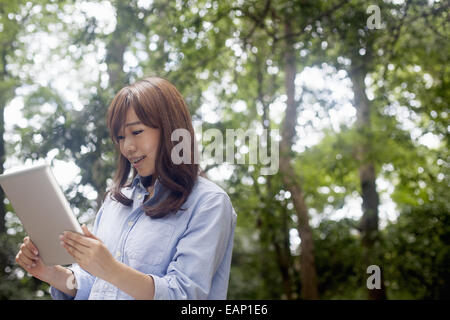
<point>129,146</point>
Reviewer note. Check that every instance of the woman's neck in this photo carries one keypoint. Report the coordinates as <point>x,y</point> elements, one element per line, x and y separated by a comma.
<point>147,181</point>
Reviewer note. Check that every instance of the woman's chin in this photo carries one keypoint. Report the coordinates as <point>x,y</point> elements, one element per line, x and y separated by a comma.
<point>145,172</point>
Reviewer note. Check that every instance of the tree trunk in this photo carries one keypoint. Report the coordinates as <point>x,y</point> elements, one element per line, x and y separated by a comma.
<point>117,45</point>
<point>367,175</point>
<point>283,265</point>
<point>115,50</point>
<point>307,264</point>
<point>2,162</point>
<point>6,92</point>
<point>282,252</point>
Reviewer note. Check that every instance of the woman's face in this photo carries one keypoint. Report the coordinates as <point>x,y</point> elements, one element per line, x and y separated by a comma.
<point>139,144</point>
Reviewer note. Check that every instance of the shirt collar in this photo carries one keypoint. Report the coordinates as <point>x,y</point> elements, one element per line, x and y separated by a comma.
<point>135,181</point>
<point>158,187</point>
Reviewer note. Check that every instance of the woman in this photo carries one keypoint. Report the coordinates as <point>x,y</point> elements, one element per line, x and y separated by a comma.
<point>167,233</point>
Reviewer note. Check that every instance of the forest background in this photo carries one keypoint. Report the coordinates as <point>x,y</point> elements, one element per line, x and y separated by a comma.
<point>355,92</point>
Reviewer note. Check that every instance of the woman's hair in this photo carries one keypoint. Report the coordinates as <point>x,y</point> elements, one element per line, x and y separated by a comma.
<point>157,104</point>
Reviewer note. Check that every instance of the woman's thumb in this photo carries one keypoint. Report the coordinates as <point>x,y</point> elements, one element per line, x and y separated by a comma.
<point>87,232</point>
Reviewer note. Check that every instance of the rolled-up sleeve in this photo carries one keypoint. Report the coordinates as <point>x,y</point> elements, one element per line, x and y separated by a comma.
<point>199,251</point>
<point>84,281</point>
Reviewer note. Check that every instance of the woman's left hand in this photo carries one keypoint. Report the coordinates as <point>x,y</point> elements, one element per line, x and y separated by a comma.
<point>89,252</point>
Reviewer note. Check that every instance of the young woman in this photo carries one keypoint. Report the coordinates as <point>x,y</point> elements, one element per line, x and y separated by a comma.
<point>165,234</point>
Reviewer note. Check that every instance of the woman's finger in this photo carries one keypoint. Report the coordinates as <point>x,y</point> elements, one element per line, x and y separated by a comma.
<point>88,233</point>
<point>27,252</point>
<point>72,250</point>
<point>76,245</point>
<point>24,261</point>
<point>27,241</point>
<point>81,239</point>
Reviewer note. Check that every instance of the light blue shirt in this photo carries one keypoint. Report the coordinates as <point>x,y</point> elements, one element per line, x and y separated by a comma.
<point>188,254</point>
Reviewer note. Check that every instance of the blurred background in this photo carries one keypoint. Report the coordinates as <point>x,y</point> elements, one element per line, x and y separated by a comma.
<point>355,93</point>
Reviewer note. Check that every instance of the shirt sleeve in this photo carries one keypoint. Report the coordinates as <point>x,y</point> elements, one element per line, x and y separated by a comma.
<point>199,252</point>
<point>84,280</point>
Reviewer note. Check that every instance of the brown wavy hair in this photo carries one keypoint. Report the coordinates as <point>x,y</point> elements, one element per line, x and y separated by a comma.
<point>157,104</point>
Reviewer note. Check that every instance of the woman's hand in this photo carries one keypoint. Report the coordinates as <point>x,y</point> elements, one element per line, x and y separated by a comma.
<point>28,258</point>
<point>89,252</point>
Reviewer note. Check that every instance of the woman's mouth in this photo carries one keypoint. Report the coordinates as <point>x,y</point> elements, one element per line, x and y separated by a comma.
<point>137,161</point>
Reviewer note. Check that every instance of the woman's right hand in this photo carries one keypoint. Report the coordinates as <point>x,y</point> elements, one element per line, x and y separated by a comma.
<point>28,258</point>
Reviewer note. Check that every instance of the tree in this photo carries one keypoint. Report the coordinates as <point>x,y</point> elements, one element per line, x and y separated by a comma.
<point>13,17</point>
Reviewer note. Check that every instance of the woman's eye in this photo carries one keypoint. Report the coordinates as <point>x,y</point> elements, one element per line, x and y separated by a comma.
<point>134,133</point>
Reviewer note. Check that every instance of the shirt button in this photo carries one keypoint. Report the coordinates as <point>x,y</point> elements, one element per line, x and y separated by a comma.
<point>130,223</point>
<point>139,196</point>
<point>118,254</point>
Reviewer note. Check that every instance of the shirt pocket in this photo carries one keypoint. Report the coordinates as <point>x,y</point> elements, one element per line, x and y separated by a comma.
<point>148,241</point>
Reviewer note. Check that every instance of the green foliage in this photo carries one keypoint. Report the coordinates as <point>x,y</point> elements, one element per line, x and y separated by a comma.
<point>339,260</point>
<point>416,253</point>
<point>16,284</point>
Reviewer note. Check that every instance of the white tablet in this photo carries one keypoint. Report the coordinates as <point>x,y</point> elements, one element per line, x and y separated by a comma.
<point>42,208</point>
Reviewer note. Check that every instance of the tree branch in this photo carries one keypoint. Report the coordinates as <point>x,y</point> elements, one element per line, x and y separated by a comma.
<point>309,22</point>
